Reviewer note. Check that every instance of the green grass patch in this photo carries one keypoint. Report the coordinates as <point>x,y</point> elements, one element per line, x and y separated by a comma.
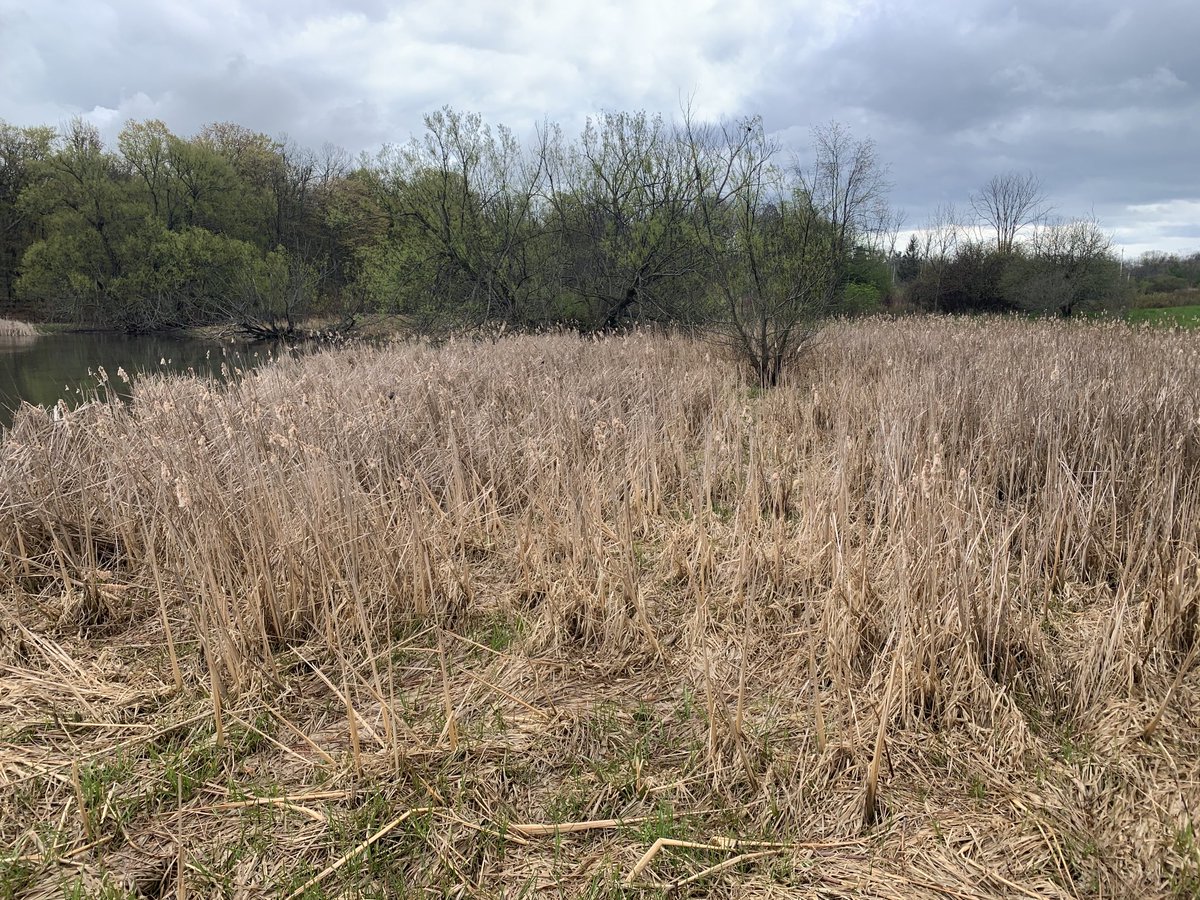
<point>16,875</point>
<point>1185,316</point>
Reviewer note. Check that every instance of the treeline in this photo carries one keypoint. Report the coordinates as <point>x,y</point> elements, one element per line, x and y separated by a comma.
<point>1006,252</point>
<point>164,230</point>
<point>634,219</point>
<point>1166,280</point>
<point>1166,272</point>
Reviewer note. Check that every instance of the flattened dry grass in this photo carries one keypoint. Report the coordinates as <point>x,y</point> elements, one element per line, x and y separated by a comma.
<point>922,623</point>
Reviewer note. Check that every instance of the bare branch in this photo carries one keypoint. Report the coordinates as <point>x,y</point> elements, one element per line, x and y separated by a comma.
<point>1009,203</point>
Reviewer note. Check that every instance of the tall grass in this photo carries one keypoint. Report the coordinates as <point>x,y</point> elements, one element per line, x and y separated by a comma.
<point>931,607</point>
<point>13,328</point>
<point>1165,299</point>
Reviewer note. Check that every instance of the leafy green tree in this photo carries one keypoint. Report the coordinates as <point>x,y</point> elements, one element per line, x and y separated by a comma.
<point>146,148</point>
<point>867,280</point>
<point>150,237</point>
<point>93,228</point>
<point>254,160</point>
<point>271,296</point>
<point>309,206</point>
<point>21,152</point>
<point>207,186</point>
<point>462,224</point>
<point>620,212</point>
<point>187,279</point>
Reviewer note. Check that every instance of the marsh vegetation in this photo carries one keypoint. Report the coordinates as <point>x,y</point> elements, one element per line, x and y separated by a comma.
<point>502,617</point>
<point>42,369</point>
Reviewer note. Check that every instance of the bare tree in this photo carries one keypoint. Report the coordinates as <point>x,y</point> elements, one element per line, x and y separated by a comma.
<point>849,187</point>
<point>889,236</point>
<point>940,238</point>
<point>1008,203</point>
<point>768,246</point>
<point>778,238</point>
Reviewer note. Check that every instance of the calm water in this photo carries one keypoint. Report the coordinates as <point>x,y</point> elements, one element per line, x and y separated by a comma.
<point>51,367</point>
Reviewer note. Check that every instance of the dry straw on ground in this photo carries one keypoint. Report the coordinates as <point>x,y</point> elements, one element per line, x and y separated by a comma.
<point>921,623</point>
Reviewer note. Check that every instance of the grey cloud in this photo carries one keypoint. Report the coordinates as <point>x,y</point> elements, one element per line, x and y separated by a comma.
<point>1100,99</point>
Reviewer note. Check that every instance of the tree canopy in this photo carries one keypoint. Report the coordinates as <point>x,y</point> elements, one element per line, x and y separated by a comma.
<point>628,221</point>
<point>635,219</point>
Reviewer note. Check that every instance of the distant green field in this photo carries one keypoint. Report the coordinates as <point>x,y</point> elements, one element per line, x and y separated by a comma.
<point>1187,316</point>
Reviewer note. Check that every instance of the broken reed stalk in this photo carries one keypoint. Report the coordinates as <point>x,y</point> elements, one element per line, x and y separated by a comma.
<point>536,829</point>
<point>720,867</point>
<point>740,713</point>
<point>710,702</point>
<point>1152,725</point>
<point>180,845</point>
<point>358,850</point>
<point>215,690</point>
<point>172,655</point>
<point>655,848</point>
<point>818,713</point>
<point>451,728</point>
<point>726,845</point>
<point>352,725</point>
<point>77,784</point>
<point>870,814</point>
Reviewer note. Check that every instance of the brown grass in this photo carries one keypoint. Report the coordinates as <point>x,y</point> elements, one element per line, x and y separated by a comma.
<point>13,328</point>
<point>371,622</point>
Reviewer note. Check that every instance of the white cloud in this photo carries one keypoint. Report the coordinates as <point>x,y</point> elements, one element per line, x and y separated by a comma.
<point>1172,226</point>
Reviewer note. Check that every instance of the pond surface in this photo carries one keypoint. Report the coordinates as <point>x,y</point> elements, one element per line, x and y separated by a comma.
<point>51,367</point>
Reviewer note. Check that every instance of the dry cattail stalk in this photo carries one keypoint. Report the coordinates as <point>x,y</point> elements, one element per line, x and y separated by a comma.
<point>667,592</point>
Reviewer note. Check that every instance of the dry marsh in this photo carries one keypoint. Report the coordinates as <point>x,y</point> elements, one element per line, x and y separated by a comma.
<point>13,328</point>
<point>564,617</point>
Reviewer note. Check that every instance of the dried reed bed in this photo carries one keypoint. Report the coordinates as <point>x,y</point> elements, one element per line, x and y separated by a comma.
<point>13,328</point>
<point>921,623</point>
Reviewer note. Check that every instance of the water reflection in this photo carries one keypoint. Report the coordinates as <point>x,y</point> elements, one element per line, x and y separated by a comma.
<point>42,370</point>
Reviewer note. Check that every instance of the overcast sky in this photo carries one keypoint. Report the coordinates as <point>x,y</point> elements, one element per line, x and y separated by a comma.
<point>1101,99</point>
